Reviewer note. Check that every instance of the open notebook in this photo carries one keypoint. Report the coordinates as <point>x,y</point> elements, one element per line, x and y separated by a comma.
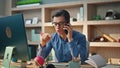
<point>98,61</point>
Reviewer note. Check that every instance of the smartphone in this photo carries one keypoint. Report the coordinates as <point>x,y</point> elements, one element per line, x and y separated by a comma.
<point>66,32</point>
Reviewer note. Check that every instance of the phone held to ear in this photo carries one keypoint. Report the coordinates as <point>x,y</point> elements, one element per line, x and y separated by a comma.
<point>66,32</point>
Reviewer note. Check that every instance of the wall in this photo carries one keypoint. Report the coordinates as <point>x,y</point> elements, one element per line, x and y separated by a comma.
<point>2,2</point>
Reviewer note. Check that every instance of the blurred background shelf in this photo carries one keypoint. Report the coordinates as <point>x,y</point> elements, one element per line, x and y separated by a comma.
<point>104,44</point>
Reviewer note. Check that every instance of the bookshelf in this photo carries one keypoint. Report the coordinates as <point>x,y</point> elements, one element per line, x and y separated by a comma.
<point>91,8</point>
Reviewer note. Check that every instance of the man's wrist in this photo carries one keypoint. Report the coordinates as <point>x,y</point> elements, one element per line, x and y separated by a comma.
<point>42,43</point>
<point>69,40</point>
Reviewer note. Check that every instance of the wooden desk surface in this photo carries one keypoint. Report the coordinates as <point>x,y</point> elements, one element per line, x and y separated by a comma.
<point>34,66</point>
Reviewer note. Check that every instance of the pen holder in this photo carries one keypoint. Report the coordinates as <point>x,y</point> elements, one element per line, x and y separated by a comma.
<point>74,64</point>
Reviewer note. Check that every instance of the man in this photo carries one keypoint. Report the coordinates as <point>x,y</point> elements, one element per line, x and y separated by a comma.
<point>66,42</point>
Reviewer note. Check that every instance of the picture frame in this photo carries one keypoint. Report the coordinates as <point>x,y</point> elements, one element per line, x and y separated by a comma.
<point>28,21</point>
<point>35,20</point>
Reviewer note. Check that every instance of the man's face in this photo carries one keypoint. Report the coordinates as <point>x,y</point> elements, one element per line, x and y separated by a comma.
<point>58,23</point>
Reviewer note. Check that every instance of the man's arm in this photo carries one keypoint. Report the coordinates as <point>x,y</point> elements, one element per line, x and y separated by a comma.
<point>44,51</point>
<point>78,46</point>
<point>83,49</point>
<point>45,46</point>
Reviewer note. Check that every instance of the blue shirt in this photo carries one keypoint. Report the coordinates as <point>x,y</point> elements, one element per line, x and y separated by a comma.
<point>63,48</point>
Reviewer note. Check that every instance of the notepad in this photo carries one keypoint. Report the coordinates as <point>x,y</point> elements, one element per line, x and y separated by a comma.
<point>98,61</point>
<point>60,64</point>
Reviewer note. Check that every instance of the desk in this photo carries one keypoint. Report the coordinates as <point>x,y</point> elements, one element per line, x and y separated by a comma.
<point>34,66</point>
<point>82,66</point>
<point>18,64</point>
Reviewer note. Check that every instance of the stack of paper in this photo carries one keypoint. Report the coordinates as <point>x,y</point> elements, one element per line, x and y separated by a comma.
<point>98,61</point>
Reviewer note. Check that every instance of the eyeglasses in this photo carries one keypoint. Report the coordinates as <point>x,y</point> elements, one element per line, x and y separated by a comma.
<point>59,24</point>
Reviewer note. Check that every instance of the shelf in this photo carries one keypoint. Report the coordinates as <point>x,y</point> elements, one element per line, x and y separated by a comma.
<point>49,24</point>
<point>104,44</point>
<point>108,29</point>
<point>102,1</point>
<point>104,22</point>
<point>33,43</point>
<point>64,5</point>
<point>78,23</point>
<point>73,9</point>
<point>33,25</point>
<point>100,8</point>
<point>26,8</point>
<point>99,22</point>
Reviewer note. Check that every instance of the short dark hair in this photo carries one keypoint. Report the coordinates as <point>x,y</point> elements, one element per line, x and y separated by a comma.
<point>62,13</point>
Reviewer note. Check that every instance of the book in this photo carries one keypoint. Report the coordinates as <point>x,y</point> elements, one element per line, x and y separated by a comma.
<point>60,64</point>
<point>35,36</point>
<point>98,61</point>
<point>28,5</point>
<point>23,2</point>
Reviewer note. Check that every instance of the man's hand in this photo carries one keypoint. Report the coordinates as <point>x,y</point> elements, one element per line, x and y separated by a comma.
<point>45,37</point>
<point>69,29</point>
